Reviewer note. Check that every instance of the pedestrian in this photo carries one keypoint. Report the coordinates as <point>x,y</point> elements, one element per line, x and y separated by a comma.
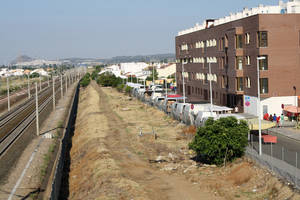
<point>274,117</point>
<point>266,116</point>
<point>271,118</point>
<point>277,121</point>
<point>281,120</point>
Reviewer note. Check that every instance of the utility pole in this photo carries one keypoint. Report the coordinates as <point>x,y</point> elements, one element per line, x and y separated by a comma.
<point>40,82</point>
<point>8,100</point>
<point>28,85</point>
<point>61,86</point>
<point>37,110</point>
<point>66,83</point>
<point>258,105</point>
<point>53,89</point>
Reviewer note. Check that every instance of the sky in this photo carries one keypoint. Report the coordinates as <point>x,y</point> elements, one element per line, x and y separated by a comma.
<point>53,29</point>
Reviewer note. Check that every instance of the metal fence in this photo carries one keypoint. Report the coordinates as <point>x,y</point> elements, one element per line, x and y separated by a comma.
<point>278,158</point>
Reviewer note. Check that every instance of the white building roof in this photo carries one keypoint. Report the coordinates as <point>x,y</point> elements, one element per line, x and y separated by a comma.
<point>292,6</point>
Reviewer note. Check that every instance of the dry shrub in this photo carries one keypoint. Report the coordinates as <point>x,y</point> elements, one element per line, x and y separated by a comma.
<point>189,132</point>
<point>240,174</point>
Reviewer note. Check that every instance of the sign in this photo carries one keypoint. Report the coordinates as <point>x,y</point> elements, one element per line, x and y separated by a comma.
<point>247,101</point>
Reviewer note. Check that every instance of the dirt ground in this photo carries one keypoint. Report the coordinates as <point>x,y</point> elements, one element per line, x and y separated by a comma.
<point>110,159</point>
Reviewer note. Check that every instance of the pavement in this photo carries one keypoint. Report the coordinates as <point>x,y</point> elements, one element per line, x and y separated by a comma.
<point>289,132</point>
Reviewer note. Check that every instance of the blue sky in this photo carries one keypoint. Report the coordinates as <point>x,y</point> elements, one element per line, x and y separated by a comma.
<point>54,29</point>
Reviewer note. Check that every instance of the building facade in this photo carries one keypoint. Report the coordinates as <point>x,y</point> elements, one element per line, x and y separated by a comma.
<point>230,50</point>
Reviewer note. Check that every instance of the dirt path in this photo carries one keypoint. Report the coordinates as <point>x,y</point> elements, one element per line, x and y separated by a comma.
<point>109,160</point>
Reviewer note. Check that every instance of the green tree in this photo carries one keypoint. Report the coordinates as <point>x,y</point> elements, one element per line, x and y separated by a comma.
<point>85,81</point>
<point>220,140</point>
<point>109,79</point>
<point>150,78</point>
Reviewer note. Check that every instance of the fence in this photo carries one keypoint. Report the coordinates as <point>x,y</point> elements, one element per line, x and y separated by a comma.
<point>282,160</point>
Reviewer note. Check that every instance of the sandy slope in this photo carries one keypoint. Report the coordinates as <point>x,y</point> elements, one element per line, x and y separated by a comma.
<point>109,160</point>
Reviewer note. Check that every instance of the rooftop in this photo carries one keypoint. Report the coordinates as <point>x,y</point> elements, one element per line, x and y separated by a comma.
<point>292,6</point>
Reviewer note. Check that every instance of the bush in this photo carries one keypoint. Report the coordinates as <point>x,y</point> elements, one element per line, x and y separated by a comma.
<point>108,79</point>
<point>120,87</point>
<point>94,75</point>
<point>128,90</point>
<point>85,81</point>
<point>220,141</point>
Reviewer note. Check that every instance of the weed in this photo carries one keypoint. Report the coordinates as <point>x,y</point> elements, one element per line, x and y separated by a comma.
<point>240,174</point>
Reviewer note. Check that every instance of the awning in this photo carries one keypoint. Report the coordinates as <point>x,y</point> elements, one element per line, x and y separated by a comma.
<point>253,124</point>
<point>291,109</point>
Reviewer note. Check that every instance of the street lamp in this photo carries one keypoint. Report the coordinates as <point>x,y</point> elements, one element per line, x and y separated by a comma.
<point>258,105</point>
<point>210,88</point>
<point>296,103</point>
<point>183,86</point>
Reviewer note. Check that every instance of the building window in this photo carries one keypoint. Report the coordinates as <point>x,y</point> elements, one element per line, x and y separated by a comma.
<point>239,41</point>
<point>247,60</point>
<point>263,63</point>
<point>205,79</point>
<point>222,81</point>
<point>247,38</point>
<point>264,88</point>
<point>247,82</point>
<point>239,63</point>
<point>221,62</point>
<point>239,84</point>
<point>262,37</point>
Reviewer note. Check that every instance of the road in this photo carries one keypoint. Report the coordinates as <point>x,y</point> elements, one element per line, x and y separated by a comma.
<point>285,149</point>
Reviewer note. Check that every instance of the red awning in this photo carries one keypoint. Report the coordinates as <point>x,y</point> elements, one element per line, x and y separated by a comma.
<point>174,96</point>
<point>291,109</point>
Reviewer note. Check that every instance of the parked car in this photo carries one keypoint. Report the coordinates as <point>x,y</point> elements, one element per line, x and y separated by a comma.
<point>158,101</point>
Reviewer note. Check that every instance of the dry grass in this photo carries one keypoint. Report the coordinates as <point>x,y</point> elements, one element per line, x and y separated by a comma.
<point>188,133</point>
<point>240,174</point>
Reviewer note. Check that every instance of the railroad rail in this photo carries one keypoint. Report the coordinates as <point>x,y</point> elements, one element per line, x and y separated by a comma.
<point>14,123</point>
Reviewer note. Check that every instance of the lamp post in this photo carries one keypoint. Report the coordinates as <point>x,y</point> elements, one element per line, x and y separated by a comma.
<point>183,86</point>
<point>210,89</point>
<point>296,103</point>
<point>28,86</point>
<point>258,105</point>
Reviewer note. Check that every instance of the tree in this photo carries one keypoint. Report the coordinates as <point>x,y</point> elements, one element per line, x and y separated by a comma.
<point>220,141</point>
<point>150,78</point>
<point>109,79</point>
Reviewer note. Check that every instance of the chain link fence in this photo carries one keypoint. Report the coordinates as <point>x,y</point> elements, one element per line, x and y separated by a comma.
<point>280,159</point>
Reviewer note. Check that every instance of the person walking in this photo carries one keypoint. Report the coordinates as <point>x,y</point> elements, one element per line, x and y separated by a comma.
<point>274,118</point>
<point>271,118</point>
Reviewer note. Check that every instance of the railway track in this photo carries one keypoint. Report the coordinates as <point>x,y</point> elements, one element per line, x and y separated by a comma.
<point>14,123</point>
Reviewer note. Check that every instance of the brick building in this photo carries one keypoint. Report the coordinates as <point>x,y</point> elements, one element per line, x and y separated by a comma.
<point>230,46</point>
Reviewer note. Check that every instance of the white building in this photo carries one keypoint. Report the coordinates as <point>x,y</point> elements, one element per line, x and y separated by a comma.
<point>166,70</point>
<point>292,6</point>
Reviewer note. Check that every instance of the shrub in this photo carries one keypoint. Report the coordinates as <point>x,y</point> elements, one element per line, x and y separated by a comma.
<point>220,141</point>
<point>85,81</point>
<point>120,87</point>
<point>128,90</point>
<point>94,75</point>
<point>108,79</point>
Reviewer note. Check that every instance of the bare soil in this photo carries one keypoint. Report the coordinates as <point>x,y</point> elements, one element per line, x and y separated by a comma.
<point>111,160</point>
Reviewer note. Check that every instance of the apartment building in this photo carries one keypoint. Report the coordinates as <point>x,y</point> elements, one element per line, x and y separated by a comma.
<point>230,46</point>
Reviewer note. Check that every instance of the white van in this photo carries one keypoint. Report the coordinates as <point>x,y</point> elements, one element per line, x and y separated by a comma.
<point>177,110</point>
<point>190,112</point>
